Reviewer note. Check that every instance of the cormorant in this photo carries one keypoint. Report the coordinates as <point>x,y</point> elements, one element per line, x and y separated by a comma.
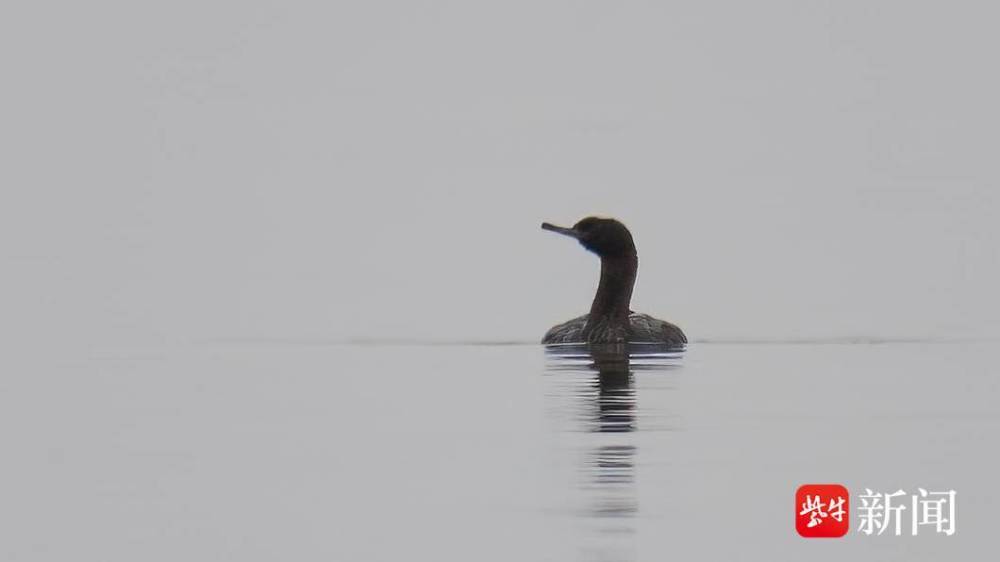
<point>610,319</point>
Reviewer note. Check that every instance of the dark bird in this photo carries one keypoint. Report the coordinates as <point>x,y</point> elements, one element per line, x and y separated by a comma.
<point>610,319</point>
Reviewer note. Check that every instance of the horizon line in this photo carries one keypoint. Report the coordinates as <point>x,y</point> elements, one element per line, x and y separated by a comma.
<point>377,341</point>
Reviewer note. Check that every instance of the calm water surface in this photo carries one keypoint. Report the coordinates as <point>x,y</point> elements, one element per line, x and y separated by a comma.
<point>267,451</point>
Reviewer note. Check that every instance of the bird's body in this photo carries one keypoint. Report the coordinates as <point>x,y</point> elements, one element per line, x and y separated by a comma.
<point>639,328</point>
<point>610,319</point>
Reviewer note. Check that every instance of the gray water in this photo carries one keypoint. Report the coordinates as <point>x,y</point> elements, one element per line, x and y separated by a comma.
<point>315,451</point>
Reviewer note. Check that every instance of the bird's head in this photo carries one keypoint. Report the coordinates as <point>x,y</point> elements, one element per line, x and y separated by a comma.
<point>607,238</point>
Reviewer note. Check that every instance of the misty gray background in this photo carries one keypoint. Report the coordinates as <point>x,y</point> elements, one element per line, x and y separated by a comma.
<point>345,170</point>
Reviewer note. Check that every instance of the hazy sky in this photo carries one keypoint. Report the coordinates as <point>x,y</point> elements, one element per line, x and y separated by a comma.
<point>326,170</point>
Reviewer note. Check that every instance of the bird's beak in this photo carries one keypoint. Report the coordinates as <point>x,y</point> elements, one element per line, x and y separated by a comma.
<point>561,230</point>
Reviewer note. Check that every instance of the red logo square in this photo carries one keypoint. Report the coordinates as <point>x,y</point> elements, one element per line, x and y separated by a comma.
<point>822,510</point>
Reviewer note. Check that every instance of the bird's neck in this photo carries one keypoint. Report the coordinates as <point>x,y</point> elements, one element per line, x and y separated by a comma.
<point>614,292</point>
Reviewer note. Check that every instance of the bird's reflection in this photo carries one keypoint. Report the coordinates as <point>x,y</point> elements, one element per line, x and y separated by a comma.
<point>596,387</point>
<point>609,468</point>
<point>605,403</point>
